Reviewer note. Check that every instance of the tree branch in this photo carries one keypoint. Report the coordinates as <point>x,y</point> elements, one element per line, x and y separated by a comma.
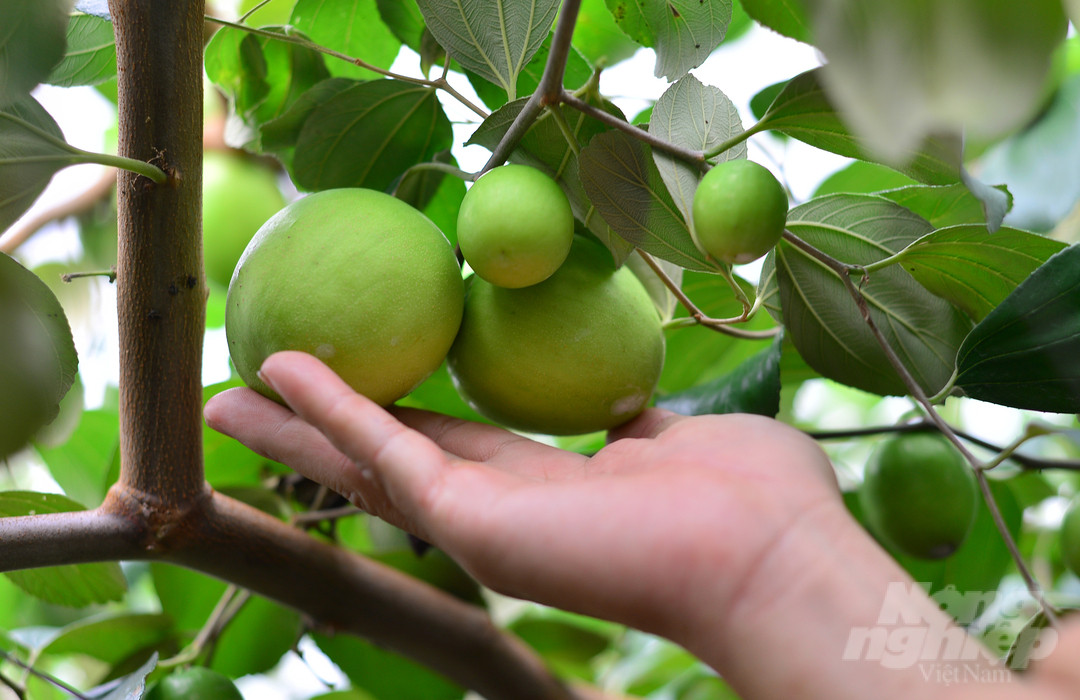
<point>161,288</point>
<point>76,205</point>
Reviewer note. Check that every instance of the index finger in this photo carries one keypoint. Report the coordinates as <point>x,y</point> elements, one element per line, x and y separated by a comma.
<point>407,464</point>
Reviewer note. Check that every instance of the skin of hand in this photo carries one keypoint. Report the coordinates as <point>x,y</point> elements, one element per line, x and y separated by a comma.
<point>726,534</point>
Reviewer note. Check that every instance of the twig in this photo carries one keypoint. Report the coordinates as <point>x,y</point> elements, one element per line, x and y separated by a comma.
<point>110,273</point>
<point>626,127</point>
<point>843,270</point>
<point>20,693</point>
<point>699,316</point>
<point>72,207</point>
<point>52,680</point>
<point>548,92</point>
<point>439,83</point>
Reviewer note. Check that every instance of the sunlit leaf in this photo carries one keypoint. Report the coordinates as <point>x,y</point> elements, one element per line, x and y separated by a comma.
<point>368,135</point>
<point>71,585</point>
<point>112,637</point>
<point>622,182</point>
<point>942,205</point>
<point>697,117</point>
<point>803,111</point>
<point>597,36</point>
<point>353,27</point>
<point>404,20</point>
<point>824,322</point>
<point>683,32</point>
<point>492,38</point>
<point>1023,354</point>
<point>384,674</point>
<point>90,58</point>
<point>577,73</point>
<point>973,269</point>
<point>787,17</point>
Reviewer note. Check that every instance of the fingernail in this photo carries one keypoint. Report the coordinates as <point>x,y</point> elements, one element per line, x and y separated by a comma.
<point>265,380</point>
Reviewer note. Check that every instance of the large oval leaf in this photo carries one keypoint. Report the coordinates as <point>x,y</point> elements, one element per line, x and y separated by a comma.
<point>492,38</point>
<point>974,269</point>
<point>353,27</point>
<point>822,319</point>
<point>698,117</point>
<point>1024,353</point>
<point>622,182</point>
<point>683,32</point>
<point>31,151</point>
<point>90,58</point>
<point>368,135</point>
<point>782,16</point>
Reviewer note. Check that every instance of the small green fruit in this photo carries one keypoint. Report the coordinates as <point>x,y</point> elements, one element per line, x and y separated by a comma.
<point>239,195</point>
<point>919,495</point>
<point>195,683</point>
<point>355,277</point>
<point>739,211</point>
<point>579,352</point>
<point>515,226</point>
<point>1070,537</point>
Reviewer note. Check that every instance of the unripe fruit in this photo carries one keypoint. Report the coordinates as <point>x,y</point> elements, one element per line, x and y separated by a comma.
<point>238,197</point>
<point>739,211</point>
<point>919,495</point>
<point>355,277</point>
<point>1070,537</point>
<point>195,683</point>
<point>37,356</point>
<point>579,352</point>
<point>515,226</point>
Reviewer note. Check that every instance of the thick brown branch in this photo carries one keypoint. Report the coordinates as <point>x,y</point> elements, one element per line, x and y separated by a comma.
<point>161,291</point>
<point>32,541</point>
<point>344,592</point>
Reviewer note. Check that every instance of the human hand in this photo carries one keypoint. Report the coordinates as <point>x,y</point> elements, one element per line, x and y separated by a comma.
<point>662,529</point>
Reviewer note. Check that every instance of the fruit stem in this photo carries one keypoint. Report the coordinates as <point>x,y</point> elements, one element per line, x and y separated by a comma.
<point>733,141</point>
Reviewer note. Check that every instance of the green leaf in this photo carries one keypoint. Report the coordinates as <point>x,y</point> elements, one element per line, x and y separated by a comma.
<point>995,201</point>
<point>111,637</point>
<point>577,73</point>
<point>567,648</point>
<point>623,183</point>
<point>404,20</point>
<point>787,17</point>
<point>32,36</point>
<point>38,361</point>
<point>280,134</point>
<point>492,38</point>
<point>90,58</point>
<point>353,27</point>
<point>253,642</point>
<point>972,269</point>
<point>71,585</point>
<point>262,77</point>
<point>753,387</point>
<point>698,117</point>
<point>900,71</point>
<point>384,674</point>
<point>941,205</point>
<point>368,135</point>
<point>803,111</point>
<point>824,322</point>
<point>696,354</point>
<point>1023,354</point>
<point>133,685</point>
<point>437,194</point>
<point>32,149</point>
<point>597,36</point>
<point>864,177</point>
<point>83,463</point>
<point>683,32</point>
